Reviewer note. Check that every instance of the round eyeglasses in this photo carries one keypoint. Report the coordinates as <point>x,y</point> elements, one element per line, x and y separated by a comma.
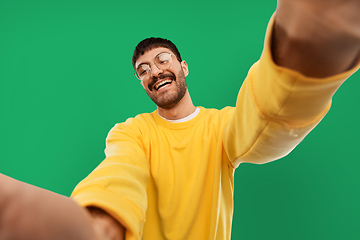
<point>162,61</point>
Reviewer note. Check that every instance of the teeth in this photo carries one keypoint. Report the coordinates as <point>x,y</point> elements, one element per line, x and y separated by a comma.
<point>157,86</point>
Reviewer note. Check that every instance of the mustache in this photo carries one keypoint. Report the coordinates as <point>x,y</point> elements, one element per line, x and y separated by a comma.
<point>161,76</point>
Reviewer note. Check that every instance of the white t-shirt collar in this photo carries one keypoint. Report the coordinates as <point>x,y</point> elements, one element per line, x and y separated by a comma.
<point>187,118</point>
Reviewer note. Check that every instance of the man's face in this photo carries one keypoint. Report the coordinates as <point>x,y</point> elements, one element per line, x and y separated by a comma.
<point>165,87</point>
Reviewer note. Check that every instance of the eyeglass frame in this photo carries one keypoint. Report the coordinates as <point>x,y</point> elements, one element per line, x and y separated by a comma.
<point>136,75</point>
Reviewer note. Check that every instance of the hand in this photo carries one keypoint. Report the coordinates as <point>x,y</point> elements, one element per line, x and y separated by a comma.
<point>317,38</point>
<point>341,16</point>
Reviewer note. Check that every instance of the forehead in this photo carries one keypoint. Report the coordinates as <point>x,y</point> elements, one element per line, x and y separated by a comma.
<point>150,55</point>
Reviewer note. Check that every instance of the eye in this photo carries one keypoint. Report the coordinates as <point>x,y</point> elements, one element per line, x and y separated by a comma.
<point>164,61</point>
<point>143,69</point>
<point>163,58</point>
<point>143,72</point>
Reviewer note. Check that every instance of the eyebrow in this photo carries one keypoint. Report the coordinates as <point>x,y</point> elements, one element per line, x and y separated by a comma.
<point>147,62</point>
<point>137,66</point>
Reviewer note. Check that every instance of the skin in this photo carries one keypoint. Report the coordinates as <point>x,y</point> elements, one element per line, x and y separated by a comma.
<point>105,226</point>
<point>184,106</point>
<point>28,212</point>
<point>317,38</point>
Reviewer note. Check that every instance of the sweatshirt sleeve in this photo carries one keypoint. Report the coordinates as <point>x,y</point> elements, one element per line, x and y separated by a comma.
<point>118,185</point>
<point>276,108</point>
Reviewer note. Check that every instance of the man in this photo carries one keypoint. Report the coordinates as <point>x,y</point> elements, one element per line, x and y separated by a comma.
<point>173,180</point>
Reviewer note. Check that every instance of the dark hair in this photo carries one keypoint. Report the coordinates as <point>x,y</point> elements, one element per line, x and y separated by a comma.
<point>150,43</point>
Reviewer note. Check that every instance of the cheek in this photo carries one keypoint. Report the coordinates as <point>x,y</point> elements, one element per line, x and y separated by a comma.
<point>145,84</point>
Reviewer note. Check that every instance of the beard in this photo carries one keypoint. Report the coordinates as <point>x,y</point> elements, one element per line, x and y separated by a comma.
<point>166,99</point>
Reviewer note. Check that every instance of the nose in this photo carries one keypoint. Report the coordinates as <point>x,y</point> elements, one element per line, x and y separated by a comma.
<point>155,71</point>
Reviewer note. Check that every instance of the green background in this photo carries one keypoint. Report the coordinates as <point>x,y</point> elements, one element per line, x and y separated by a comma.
<point>66,78</point>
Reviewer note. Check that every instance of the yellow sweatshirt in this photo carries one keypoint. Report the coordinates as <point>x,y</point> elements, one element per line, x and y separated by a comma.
<point>165,180</point>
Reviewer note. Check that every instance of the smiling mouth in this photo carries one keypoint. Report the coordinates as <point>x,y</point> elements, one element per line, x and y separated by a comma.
<point>162,84</point>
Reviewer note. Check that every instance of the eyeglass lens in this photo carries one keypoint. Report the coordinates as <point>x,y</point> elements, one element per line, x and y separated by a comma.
<point>161,61</point>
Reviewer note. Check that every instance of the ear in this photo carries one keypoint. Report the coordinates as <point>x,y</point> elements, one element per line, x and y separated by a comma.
<point>185,67</point>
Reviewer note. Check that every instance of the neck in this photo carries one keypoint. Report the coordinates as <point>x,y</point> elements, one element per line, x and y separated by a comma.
<point>182,109</point>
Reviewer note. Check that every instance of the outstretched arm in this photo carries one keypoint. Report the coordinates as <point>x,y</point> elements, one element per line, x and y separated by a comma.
<point>317,38</point>
<point>29,212</point>
<point>311,48</point>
